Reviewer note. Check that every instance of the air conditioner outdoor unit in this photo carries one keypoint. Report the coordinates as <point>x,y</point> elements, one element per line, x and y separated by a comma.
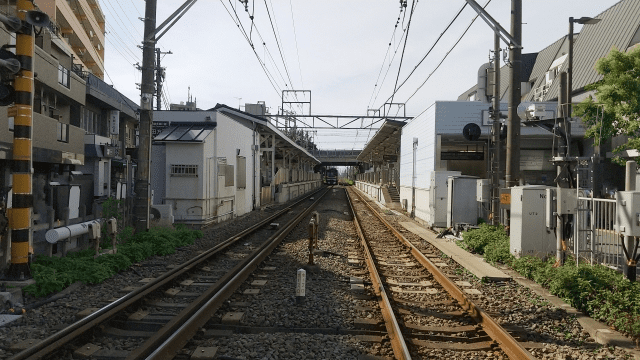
<point>161,215</point>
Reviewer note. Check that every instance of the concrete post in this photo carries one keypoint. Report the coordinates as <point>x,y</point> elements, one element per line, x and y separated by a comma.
<point>630,266</point>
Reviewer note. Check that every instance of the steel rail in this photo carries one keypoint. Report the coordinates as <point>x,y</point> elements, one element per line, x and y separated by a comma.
<point>175,339</point>
<point>57,340</point>
<point>508,344</point>
<point>398,344</point>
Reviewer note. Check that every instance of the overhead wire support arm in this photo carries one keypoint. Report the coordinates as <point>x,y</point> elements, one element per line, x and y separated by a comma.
<point>172,20</point>
<point>504,34</point>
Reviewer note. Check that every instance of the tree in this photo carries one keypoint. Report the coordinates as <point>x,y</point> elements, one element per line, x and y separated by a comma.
<point>616,110</point>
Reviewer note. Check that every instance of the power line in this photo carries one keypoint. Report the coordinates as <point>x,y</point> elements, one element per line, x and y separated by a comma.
<point>241,29</point>
<point>121,43</point>
<point>404,32</point>
<point>129,20</point>
<point>395,29</point>
<point>403,49</point>
<point>295,36</point>
<point>444,58</point>
<point>278,43</point>
<point>123,27</point>
<point>432,47</point>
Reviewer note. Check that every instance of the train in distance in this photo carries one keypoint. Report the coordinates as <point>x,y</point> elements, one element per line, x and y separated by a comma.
<point>331,176</point>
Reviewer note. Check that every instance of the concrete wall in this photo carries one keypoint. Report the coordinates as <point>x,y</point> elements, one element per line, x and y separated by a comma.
<point>292,191</point>
<point>423,128</point>
<point>373,190</point>
<point>232,136</point>
<point>187,193</point>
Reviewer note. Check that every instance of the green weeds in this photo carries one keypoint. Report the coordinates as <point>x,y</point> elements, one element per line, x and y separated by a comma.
<point>600,292</point>
<point>53,274</point>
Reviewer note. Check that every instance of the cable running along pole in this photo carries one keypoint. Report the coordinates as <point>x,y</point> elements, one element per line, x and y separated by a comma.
<point>142,185</point>
<point>147,89</point>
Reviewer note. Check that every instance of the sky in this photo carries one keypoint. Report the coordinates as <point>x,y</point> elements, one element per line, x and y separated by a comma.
<point>347,53</point>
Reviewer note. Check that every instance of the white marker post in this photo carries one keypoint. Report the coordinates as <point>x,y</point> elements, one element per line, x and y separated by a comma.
<point>300,286</point>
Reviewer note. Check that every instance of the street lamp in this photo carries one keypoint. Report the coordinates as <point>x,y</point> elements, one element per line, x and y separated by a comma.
<point>583,21</point>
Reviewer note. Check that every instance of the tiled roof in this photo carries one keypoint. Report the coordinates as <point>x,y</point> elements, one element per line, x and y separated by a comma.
<point>616,29</point>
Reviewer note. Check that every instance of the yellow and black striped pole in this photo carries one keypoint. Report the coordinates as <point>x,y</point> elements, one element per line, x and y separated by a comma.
<point>22,113</point>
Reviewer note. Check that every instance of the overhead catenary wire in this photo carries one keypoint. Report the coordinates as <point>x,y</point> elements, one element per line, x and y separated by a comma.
<point>384,61</point>
<point>430,49</point>
<point>237,21</point>
<point>445,56</point>
<point>404,47</point>
<point>295,37</point>
<point>404,32</point>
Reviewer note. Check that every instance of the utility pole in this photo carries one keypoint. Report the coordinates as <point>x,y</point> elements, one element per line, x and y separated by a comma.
<point>159,78</point>
<point>512,175</point>
<point>495,136</point>
<point>142,185</point>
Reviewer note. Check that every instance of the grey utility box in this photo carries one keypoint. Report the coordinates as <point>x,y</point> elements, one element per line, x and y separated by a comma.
<point>529,233</point>
<point>567,201</point>
<point>483,190</point>
<point>462,207</point>
<point>628,213</point>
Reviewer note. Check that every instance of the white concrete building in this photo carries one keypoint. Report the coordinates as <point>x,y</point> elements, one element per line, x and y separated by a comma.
<point>211,166</point>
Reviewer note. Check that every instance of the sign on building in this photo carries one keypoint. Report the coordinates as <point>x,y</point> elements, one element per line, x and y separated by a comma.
<point>114,122</point>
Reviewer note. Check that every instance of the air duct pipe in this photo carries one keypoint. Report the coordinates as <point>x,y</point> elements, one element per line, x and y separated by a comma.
<point>66,232</point>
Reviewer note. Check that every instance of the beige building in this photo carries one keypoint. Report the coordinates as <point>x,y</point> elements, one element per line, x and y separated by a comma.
<point>81,24</point>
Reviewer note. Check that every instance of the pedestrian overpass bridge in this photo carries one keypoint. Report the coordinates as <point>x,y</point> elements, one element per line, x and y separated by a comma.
<point>337,157</point>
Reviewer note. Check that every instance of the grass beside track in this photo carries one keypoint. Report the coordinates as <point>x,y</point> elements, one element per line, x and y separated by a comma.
<point>598,291</point>
<point>53,274</point>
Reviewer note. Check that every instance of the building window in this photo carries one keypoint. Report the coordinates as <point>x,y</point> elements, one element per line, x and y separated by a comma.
<point>63,76</point>
<point>63,132</point>
<point>90,123</point>
<point>184,170</point>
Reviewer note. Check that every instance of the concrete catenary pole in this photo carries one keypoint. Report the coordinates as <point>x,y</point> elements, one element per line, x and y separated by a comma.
<point>630,266</point>
<point>512,172</point>
<point>142,185</point>
<point>22,112</point>
<point>495,136</point>
<point>563,154</point>
<point>158,81</point>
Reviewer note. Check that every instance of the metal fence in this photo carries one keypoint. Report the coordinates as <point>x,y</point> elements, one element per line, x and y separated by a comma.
<point>594,233</point>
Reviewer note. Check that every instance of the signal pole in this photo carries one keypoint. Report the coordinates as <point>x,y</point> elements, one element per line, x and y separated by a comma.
<point>22,112</point>
<point>142,185</point>
<point>512,173</point>
<point>495,136</point>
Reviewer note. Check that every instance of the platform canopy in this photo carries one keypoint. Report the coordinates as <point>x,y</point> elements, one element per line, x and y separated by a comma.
<point>384,145</point>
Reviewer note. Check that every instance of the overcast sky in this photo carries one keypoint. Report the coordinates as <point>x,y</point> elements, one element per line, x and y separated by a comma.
<point>336,49</point>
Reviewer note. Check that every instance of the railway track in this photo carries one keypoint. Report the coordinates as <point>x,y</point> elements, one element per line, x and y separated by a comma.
<point>425,312</point>
<point>161,315</point>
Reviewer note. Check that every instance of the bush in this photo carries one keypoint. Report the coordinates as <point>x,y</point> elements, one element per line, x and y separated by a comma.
<point>476,240</point>
<point>53,274</point>
<point>600,292</point>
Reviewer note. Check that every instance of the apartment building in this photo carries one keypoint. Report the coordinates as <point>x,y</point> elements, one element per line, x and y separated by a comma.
<point>81,26</point>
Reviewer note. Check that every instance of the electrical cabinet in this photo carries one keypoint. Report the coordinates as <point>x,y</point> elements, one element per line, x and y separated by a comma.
<point>483,190</point>
<point>438,197</point>
<point>628,213</point>
<point>529,233</point>
<point>462,207</point>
